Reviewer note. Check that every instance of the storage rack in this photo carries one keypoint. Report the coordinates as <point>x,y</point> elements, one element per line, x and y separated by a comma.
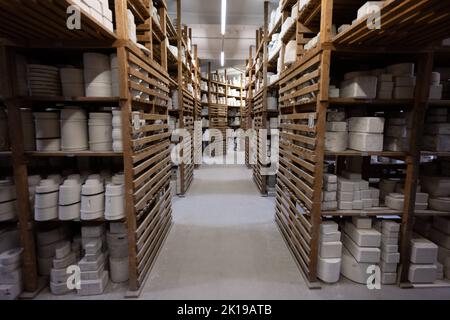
<point>218,113</point>
<point>198,133</point>
<point>302,154</point>
<point>436,57</point>
<point>40,28</point>
<point>185,112</point>
<point>232,108</point>
<point>246,122</point>
<point>260,112</point>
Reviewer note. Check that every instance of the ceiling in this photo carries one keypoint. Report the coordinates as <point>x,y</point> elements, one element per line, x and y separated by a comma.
<point>203,16</point>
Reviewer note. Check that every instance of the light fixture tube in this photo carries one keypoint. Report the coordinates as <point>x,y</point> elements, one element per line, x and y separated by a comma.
<point>224,15</point>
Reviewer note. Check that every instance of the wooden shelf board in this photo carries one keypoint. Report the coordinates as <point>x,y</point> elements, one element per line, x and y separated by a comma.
<point>309,12</point>
<point>398,25</point>
<point>5,153</point>
<point>72,99</point>
<point>73,154</point>
<point>351,101</point>
<point>428,213</point>
<point>354,153</point>
<point>435,153</point>
<point>439,103</point>
<point>382,211</point>
<point>40,19</point>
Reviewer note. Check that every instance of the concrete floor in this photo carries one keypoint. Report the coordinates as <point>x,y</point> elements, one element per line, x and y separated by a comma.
<point>224,244</point>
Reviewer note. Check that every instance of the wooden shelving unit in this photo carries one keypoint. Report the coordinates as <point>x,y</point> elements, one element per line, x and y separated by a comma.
<point>220,114</point>
<point>260,88</point>
<point>145,160</point>
<point>302,153</point>
<point>181,69</point>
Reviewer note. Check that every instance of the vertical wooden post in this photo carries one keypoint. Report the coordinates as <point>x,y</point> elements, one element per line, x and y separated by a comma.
<point>180,92</point>
<point>322,106</point>
<point>149,45</point>
<point>264,114</point>
<point>163,21</point>
<point>425,67</point>
<point>121,19</point>
<point>26,222</point>
<point>125,105</point>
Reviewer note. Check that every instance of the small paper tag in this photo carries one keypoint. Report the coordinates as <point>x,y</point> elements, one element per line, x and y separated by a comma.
<point>311,121</point>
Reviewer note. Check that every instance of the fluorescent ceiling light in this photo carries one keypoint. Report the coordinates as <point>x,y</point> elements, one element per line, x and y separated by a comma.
<point>222,58</point>
<point>224,15</point>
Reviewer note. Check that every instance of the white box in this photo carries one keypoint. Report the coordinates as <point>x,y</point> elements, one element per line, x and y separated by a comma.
<point>423,251</point>
<point>375,202</point>
<point>357,205</point>
<point>389,241</point>
<point>402,93</point>
<point>390,257</point>
<point>336,141</point>
<point>290,54</point>
<point>345,185</point>
<point>388,267</point>
<point>364,87</point>
<point>390,226</point>
<point>422,197</point>
<point>363,237</point>
<point>329,178</point>
<point>328,227</point>
<point>375,193</point>
<point>345,196</point>
<point>328,196</point>
<point>366,194</point>
<point>361,254</point>
<point>369,7</point>
<point>337,126</point>
<point>357,195</point>
<point>366,141</point>
<point>422,273</point>
<point>405,81</point>
<point>388,278</point>
<point>366,124</point>
<point>394,203</point>
<point>329,205</point>
<point>330,187</point>
<point>401,69</point>
<point>363,185</point>
<point>330,237</point>
<point>362,223</point>
<point>367,203</point>
<point>389,248</point>
<point>330,249</point>
<point>436,92</point>
<point>345,205</point>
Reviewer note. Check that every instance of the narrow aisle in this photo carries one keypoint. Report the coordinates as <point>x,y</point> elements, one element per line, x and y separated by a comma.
<point>224,243</point>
